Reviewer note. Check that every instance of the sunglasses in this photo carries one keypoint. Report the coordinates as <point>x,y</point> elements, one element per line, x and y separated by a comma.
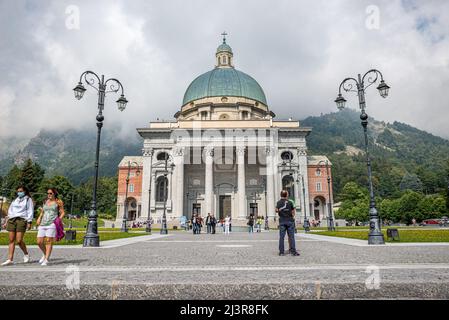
<point>49,193</point>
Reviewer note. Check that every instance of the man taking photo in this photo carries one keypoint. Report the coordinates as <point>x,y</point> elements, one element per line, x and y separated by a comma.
<point>286,212</point>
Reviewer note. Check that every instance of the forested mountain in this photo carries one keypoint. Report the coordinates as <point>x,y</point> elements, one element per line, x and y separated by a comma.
<point>403,157</point>
<point>72,153</point>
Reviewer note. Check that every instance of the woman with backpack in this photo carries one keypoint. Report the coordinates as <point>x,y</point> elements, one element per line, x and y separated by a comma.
<point>19,219</point>
<point>50,212</point>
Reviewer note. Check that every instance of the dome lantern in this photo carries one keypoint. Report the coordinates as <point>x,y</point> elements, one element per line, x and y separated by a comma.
<point>224,54</point>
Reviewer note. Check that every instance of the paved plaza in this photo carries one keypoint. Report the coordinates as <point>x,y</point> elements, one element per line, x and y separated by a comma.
<point>238,266</point>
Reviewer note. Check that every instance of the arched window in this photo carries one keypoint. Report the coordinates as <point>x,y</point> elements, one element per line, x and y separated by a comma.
<point>288,184</point>
<point>287,155</point>
<point>162,156</point>
<point>161,189</point>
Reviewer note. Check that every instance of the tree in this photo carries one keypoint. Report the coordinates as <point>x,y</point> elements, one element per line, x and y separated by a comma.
<point>31,175</point>
<point>12,181</point>
<point>106,196</point>
<point>61,184</point>
<point>408,206</point>
<point>411,182</point>
<point>355,203</point>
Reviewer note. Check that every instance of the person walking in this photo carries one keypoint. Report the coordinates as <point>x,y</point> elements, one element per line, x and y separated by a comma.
<point>227,223</point>
<point>251,223</point>
<point>286,212</point>
<point>52,209</point>
<point>199,221</point>
<point>208,223</point>
<point>222,221</point>
<point>18,221</point>
<point>259,224</point>
<point>194,223</point>
<point>213,223</point>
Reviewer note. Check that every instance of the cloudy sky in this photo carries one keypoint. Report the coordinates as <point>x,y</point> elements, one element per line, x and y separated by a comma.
<point>299,51</point>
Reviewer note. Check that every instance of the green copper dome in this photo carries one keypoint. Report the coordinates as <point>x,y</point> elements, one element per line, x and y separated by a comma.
<point>224,48</point>
<point>224,82</point>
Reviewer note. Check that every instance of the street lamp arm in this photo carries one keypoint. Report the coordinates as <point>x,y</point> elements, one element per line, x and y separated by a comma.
<point>91,80</point>
<point>115,86</point>
<point>372,78</point>
<point>347,85</point>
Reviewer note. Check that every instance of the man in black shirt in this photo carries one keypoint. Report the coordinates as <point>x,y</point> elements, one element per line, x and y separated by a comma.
<point>286,212</point>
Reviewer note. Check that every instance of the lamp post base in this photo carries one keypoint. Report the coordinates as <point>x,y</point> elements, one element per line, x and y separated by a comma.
<point>164,231</point>
<point>148,229</point>
<point>91,240</point>
<point>376,238</point>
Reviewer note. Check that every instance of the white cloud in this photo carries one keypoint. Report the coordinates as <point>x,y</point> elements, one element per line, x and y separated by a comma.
<point>299,51</point>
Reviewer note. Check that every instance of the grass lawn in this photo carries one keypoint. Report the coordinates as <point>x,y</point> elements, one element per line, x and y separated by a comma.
<point>30,237</point>
<point>80,223</point>
<point>405,235</point>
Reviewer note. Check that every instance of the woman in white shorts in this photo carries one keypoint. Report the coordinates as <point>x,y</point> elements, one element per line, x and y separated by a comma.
<point>52,208</point>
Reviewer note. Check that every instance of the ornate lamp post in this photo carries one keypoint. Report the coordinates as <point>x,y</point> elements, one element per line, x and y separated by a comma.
<point>92,239</point>
<point>375,235</point>
<point>330,226</point>
<point>125,213</point>
<point>164,229</point>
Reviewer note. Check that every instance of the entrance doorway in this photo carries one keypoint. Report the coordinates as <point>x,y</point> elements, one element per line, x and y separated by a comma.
<point>196,209</point>
<point>225,206</point>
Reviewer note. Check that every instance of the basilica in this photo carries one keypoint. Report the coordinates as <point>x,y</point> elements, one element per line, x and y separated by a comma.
<point>224,153</point>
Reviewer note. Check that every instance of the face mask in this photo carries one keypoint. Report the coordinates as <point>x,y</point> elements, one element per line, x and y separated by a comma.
<point>21,194</point>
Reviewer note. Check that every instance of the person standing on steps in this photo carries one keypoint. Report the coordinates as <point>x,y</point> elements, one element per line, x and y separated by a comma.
<point>286,212</point>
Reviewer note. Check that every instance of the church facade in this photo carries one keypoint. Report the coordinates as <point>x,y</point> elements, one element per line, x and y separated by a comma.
<point>225,154</point>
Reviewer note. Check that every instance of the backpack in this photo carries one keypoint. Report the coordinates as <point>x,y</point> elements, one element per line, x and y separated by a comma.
<point>285,211</point>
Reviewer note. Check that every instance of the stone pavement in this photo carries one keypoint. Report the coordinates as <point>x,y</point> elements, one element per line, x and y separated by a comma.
<point>239,266</point>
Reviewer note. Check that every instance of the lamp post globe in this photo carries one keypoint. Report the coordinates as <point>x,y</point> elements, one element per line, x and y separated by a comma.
<point>340,101</point>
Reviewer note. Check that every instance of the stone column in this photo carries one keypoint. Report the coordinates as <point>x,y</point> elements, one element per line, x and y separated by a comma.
<point>298,190</point>
<point>241,184</point>
<point>270,181</point>
<point>153,191</point>
<point>146,177</point>
<point>302,160</point>
<point>209,181</point>
<point>179,182</point>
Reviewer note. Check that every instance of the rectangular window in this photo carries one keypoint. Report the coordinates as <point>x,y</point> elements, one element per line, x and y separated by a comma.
<point>253,209</point>
<point>131,188</point>
<point>318,186</point>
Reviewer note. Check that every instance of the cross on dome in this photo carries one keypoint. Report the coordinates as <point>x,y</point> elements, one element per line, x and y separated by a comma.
<point>224,34</point>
